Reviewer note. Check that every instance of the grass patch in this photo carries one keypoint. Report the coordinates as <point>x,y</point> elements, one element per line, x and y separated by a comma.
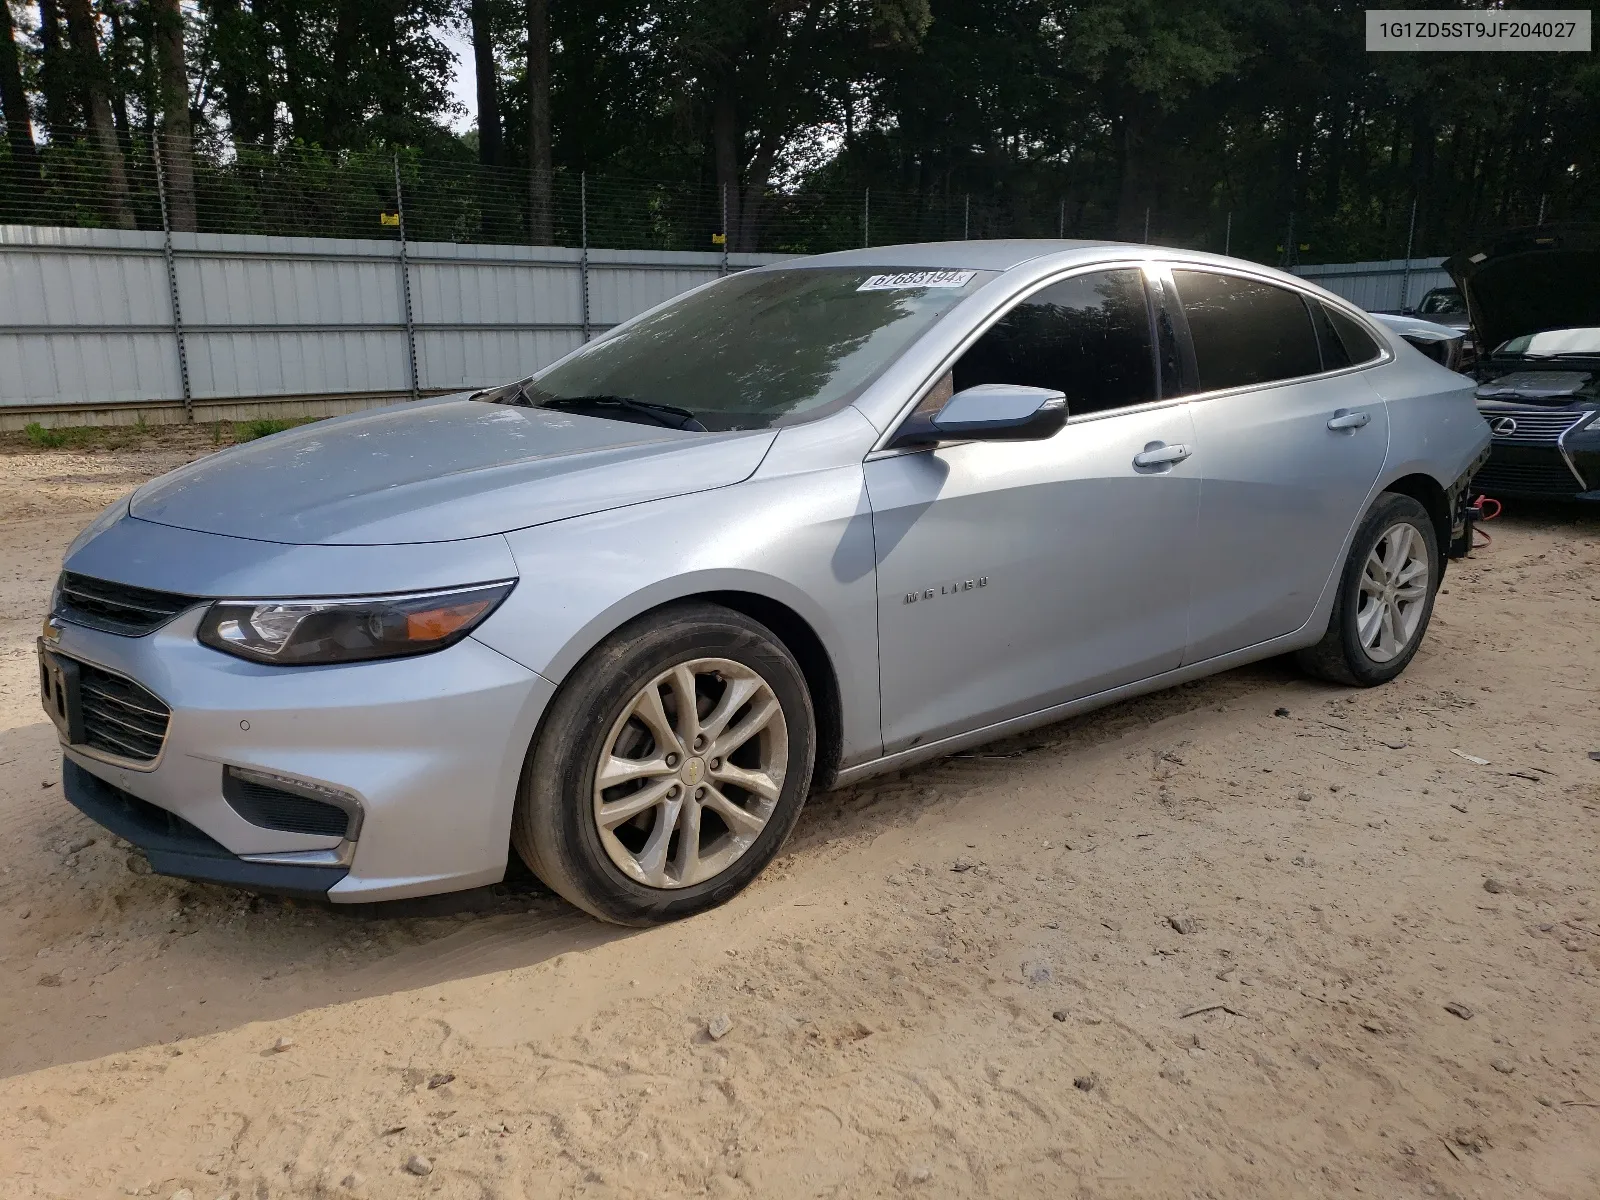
<point>249,431</point>
<point>77,437</point>
<point>142,434</point>
<point>50,439</point>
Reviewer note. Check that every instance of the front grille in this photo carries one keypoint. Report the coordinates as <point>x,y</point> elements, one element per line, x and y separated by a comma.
<point>1536,427</point>
<point>1545,478</point>
<point>119,717</point>
<point>276,808</point>
<point>115,607</point>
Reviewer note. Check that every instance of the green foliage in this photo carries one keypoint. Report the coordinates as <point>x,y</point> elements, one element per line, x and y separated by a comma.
<point>1080,116</point>
<point>82,437</point>
<point>260,427</point>
<point>49,439</point>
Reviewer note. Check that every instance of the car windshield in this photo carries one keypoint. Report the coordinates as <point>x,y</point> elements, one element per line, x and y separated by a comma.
<point>755,350</point>
<point>1440,300</point>
<point>1583,342</point>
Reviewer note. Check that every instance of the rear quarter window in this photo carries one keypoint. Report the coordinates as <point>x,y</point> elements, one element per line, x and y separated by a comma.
<point>1356,342</point>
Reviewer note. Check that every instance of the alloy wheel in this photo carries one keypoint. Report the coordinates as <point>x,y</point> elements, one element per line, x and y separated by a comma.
<point>690,773</point>
<point>1394,592</point>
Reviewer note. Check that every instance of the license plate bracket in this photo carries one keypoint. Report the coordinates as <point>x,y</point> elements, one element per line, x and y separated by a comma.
<point>61,693</point>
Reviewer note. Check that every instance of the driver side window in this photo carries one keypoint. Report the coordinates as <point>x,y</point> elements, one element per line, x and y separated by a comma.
<point>1088,336</point>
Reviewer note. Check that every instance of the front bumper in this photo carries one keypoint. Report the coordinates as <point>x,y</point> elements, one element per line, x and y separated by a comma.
<point>1558,459</point>
<point>175,847</point>
<point>430,748</point>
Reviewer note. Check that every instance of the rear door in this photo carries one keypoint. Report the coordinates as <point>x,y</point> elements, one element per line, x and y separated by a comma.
<point>1289,440</point>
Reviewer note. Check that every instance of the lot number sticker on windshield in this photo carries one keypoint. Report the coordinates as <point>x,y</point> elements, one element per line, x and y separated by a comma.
<point>917,279</point>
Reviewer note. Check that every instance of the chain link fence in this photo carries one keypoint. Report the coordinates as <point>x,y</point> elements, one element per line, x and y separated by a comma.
<point>305,191</point>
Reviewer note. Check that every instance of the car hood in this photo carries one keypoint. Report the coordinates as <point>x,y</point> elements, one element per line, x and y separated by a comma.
<point>1530,280</point>
<point>437,471</point>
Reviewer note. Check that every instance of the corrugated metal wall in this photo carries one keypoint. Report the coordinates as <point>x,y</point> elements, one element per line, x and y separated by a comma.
<point>86,315</point>
<point>1377,286</point>
<point>87,328</point>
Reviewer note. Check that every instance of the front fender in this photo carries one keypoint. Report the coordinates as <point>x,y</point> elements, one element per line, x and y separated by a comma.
<point>804,541</point>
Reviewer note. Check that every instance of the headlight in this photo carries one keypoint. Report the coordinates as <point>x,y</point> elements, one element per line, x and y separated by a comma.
<point>302,632</point>
<point>1594,424</point>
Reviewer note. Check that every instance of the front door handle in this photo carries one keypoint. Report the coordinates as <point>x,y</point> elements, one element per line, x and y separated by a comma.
<point>1157,455</point>
<point>1345,419</point>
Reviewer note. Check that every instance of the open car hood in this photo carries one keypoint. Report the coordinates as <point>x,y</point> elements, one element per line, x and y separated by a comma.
<point>1530,280</point>
<point>438,471</point>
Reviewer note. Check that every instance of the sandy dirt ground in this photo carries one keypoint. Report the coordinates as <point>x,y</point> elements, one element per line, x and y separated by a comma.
<point>1254,937</point>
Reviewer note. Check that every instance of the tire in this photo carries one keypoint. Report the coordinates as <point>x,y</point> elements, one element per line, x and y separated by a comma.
<point>1344,655</point>
<point>638,869</point>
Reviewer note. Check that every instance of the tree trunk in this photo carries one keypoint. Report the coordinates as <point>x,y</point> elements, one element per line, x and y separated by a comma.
<point>1424,139</point>
<point>113,81</point>
<point>23,181</point>
<point>540,215</point>
<point>726,151</point>
<point>1133,196</point>
<point>55,77</point>
<point>241,72</point>
<point>337,99</point>
<point>91,70</point>
<point>488,85</point>
<point>296,87</point>
<point>177,137</point>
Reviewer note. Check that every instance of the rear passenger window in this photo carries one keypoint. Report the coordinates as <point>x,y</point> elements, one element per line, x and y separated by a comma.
<point>1358,344</point>
<point>1246,332</point>
<point>1088,336</point>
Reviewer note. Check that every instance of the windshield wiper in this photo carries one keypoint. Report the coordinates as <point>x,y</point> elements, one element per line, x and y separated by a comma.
<point>662,414</point>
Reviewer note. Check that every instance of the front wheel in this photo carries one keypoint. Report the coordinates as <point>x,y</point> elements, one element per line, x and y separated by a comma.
<point>1385,597</point>
<point>671,767</point>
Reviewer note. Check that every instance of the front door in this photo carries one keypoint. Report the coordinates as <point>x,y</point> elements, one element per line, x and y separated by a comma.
<point>1013,576</point>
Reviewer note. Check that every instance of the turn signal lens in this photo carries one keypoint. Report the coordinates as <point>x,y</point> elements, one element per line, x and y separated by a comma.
<point>432,624</point>
<point>315,631</point>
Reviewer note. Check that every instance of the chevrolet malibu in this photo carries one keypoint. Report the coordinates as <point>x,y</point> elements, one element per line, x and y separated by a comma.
<point>800,526</point>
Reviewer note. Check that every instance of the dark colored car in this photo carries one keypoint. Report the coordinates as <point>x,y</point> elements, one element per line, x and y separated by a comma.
<point>1444,305</point>
<point>1447,306</point>
<point>1533,296</point>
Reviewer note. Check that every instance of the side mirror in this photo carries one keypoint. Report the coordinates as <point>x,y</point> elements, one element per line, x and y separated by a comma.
<point>1002,412</point>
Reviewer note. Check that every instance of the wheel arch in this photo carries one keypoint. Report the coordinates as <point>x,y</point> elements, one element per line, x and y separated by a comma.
<point>803,635</point>
<point>1428,492</point>
<point>816,664</point>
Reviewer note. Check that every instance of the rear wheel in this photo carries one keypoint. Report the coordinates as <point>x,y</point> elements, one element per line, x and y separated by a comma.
<point>671,767</point>
<point>1385,597</point>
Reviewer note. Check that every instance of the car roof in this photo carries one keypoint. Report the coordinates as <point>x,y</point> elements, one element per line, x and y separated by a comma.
<point>1033,257</point>
<point>996,255</point>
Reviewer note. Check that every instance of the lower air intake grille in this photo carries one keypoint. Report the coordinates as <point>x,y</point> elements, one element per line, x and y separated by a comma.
<point>278,808</point>
<point>115,607</point>
<point>1526,479</point>
<point>119,717</point>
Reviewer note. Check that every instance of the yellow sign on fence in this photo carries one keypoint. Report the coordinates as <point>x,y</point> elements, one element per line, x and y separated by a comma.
<point>719,239</point>
<point>389,218</point>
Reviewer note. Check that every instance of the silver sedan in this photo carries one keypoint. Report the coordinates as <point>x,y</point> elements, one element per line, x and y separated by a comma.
<point>797,527</point>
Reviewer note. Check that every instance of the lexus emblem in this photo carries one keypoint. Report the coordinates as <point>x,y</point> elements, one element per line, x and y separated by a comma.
<point>1503,426</point>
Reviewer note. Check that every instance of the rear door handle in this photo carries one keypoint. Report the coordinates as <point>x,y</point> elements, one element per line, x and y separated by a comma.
<point>1345,419</point>
<point>1157,455</point>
